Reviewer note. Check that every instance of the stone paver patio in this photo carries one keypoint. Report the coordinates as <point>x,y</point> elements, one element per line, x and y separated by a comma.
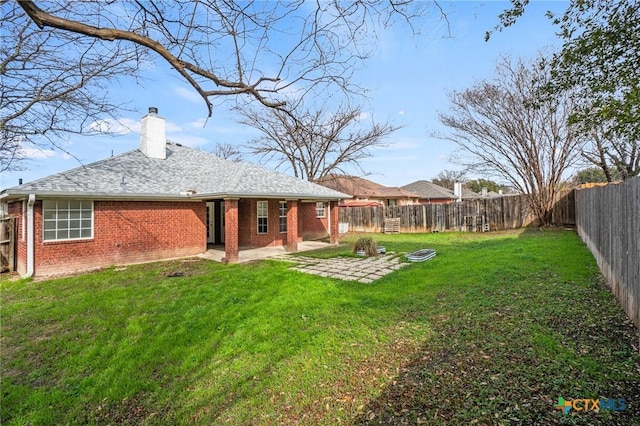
<point>365,270</point>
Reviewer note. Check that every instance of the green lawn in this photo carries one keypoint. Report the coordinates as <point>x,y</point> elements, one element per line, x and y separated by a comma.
<point>491,331</point>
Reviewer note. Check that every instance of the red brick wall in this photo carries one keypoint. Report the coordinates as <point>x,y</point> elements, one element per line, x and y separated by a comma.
<point>334,222</point>
<point>310,227</point>
<point>246,221</point>
<point>273,237</point>
<point>292,225</point>
<point>125,232</point>
<point>230,231</point>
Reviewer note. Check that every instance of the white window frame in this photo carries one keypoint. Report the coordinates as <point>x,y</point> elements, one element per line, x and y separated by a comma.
<point>262,212</point>
<point>60,217</point>
<point>282,216</point>
<point>321,210</point>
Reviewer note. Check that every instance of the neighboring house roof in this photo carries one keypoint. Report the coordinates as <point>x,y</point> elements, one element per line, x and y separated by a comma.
<point>429,191</point>
<point>185,173</point>
<point>467,194</point>
<point>363,188</point>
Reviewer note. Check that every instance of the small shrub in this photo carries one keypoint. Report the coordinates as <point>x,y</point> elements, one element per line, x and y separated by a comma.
<point>366,245</point>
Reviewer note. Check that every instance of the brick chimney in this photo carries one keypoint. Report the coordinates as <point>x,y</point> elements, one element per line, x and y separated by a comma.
<point>153,141</point>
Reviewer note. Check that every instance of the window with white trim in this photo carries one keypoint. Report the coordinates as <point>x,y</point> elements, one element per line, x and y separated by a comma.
<point>263,217</point>
<point>320,209</point>
<point>67,220</point>
<point>283,216</point>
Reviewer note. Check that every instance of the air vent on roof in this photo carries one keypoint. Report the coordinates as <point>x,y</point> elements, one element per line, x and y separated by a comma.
<point>153,110</point>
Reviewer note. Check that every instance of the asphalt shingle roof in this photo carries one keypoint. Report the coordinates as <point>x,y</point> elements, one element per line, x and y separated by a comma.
<point>133,174</point>
<point>429,191</point>
<point>361,187</point>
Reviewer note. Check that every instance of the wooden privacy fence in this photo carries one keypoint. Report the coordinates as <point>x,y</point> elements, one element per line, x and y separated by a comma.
<point>608,221</point>
<point>7,244</point>
<point>507,212</point>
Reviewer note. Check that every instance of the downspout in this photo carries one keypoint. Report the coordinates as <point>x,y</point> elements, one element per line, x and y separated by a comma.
<point>30,236</point>
<point>329,219</point>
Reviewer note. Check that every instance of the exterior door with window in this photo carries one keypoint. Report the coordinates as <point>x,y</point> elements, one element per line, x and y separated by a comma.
<point>211,223</point>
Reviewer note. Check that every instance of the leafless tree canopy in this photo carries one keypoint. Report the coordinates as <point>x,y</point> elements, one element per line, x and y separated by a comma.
<point>618,155</point>
<point>52,83</point>
<point>265,49</point>
<point>447,178</point>
<point>228,152</point>
<point>313,144</point>
<point>503,130</point>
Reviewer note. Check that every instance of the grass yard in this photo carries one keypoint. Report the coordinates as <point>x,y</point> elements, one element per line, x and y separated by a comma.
<point>492,331</point>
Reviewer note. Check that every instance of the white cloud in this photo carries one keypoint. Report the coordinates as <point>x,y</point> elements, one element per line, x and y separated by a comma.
<point>189,94</point>
<point>38,154</point>
<point>188,140</point>
<point>121,126</point>
<point>363,116</point>
<point>401,112</point>
<point>402,143</point>
<point>124,126</point>
<point>198,124</point>
<point>172,127</point>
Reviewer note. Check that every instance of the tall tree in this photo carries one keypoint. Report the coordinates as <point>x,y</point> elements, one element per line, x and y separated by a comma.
<point>447,178</point>
<point>262,49</point>
<point>502,129</point>
<point>314,143</point>
<point>477,185</point>
<point>617,155</point>
<point>598,62</point>
<point>52,84</point>
<point>591,175</point>
<point>269,52</point>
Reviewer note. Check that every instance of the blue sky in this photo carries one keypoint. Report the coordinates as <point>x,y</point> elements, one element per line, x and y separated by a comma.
<point>407,80</point>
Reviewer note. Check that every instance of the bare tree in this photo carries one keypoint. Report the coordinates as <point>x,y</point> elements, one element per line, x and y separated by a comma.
<point>313,144</point>
<point>52,84</point>
<point>447,178</point>
<point>616,154</point>
<point>228,152</point>
<point>502,129</point>
<point>263,49</point>
<point>598,61</point>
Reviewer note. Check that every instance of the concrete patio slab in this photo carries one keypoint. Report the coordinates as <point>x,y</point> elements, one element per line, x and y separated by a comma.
<point>364,270</point>
<point>249,254</point>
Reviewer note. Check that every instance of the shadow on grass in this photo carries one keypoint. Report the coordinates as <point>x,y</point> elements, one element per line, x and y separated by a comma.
<point>505,351</point>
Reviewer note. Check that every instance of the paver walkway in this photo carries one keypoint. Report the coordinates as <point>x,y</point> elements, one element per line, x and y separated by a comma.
<point>365,270</point>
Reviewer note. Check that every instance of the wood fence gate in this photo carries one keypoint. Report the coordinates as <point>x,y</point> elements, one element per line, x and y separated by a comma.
<point>8,244</point>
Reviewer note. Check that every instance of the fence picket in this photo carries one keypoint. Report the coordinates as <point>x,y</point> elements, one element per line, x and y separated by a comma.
<point>607,220</point>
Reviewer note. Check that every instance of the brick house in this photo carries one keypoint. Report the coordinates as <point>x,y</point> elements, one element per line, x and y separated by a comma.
<point>430,193</point>
<point>366,193</point>
<point>162,201</point>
